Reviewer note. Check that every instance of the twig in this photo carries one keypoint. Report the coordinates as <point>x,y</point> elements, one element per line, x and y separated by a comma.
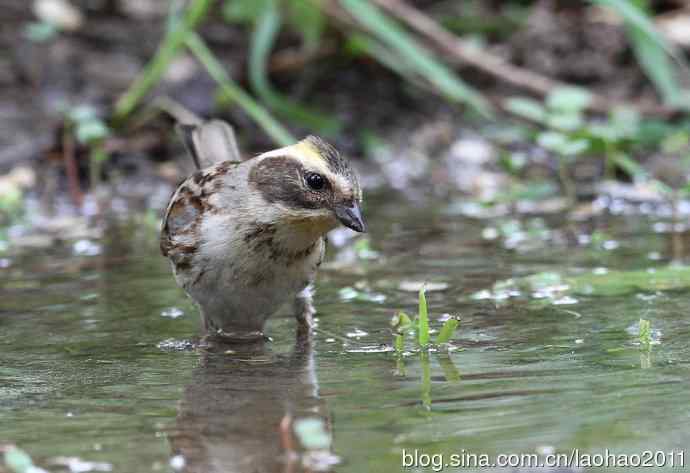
<point>494,65</point>
<point>291,59</point>
<point>68,154</point>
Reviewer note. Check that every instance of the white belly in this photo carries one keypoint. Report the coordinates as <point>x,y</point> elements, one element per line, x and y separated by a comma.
<point>238,293</point>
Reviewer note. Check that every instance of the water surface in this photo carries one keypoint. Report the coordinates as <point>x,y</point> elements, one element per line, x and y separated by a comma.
<point>94,363</point>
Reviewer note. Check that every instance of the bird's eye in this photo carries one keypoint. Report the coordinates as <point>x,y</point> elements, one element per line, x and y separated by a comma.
<point>315,181</point>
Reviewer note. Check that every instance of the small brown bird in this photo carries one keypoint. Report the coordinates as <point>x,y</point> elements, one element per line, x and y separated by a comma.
<point>245,237</point>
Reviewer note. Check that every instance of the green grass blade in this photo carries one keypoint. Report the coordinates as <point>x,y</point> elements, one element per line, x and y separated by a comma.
<point>423,61</point>
<point>154,70</point>
<point>631,167</point>
<point>307,19</point>
<point>645,335</point>
<point>450,371</point>
<point>263,38</point>
<point>423,320</point>
<point>260,115</point>
<point>652,50</point>
<point>635,16</point>
<point>359,43</point>
<point>657,66</point>
<point>399,343</point>
<point>426,380</point>
<point>447,331</point>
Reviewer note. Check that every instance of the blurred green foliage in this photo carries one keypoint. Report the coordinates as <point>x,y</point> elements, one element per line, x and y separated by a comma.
<point>563,128</point>
<point>661,60</point>
<point>560,122</point>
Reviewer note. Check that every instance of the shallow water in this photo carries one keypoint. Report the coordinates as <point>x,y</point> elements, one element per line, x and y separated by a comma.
<point>94,363</point>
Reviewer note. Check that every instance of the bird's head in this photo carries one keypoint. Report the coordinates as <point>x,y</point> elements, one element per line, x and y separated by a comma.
<point>311,183</point>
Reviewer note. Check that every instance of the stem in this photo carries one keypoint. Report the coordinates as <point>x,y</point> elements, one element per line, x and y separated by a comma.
<point>97,157</point>
<point>568,185</point>
<point>167,51</point>
<point>426,380</point>
<point>271,126</point>
<point>68,155</point>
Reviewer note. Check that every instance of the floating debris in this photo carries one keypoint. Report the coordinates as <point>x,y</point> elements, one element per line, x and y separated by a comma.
<point>350,293</point>
<point>177,462</point>
<point>60,13</point>
<point>86,248</point>
<point>381,348</point>
<point>416,286</point>
<point>357,333</point>
<point>171,344</point>
<point>77,465</point>
<point>172,313</point>
<point>312,433</point>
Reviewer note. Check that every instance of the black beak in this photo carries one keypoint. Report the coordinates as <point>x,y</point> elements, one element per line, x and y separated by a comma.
<point>350,215</point>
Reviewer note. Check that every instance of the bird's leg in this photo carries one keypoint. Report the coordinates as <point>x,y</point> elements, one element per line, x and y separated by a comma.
<point>304,309</point>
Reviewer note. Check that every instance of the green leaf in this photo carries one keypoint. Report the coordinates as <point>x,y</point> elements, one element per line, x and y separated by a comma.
<point>243,11</point>
<point>82,113</point>
<point>603,131</point>
<point>568,99</point>
<point>526,108</point>
<point>263,37</point>
<point>420,58</point>
<point>626,121</point>
<point>447,331</point>
<point>568,121</point>
<point>306,17</point>
<point>626,163</point>
<point>552,140</point>
<point>92,130</point>
<point>676,142</point>
<point>560,143</point>
<point>423,320</point>
<point>574,147</point>
<point>401,322</point>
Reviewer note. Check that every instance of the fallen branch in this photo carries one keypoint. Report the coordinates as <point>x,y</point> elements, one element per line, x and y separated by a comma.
<point>495,66</point>
<point>292,59</point>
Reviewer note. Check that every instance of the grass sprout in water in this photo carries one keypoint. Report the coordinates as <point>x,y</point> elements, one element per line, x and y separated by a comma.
<point>645,334</point>
<point>402,324</point>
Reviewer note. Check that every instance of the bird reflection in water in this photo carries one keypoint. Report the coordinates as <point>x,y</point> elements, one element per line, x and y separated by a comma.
<point>239,411</point>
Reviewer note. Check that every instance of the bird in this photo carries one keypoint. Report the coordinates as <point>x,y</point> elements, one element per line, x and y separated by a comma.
<point>246,237</point>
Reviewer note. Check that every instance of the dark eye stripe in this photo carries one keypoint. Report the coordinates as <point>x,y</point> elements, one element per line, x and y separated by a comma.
<point>274,179</point>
